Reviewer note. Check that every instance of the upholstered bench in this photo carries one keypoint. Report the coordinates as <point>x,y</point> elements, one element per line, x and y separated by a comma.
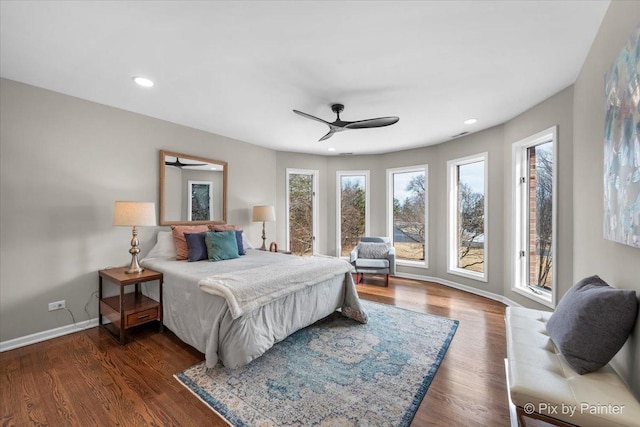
<point>543,386</point>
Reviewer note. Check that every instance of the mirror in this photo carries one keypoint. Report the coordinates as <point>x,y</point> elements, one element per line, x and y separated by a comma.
<point>193,190</point>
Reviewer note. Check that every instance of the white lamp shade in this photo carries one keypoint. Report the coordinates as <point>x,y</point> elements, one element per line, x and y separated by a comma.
<point>264,213</point>
<point>134,213</point>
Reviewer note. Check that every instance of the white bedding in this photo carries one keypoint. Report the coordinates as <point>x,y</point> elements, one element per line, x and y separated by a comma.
<point>247,289</point>
<point>206,322</point>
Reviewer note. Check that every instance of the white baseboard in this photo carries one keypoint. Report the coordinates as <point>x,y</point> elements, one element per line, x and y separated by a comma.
<point>69,329</point>
<point>513,414</point>
<point>455,285</point>
<point>47,335</point>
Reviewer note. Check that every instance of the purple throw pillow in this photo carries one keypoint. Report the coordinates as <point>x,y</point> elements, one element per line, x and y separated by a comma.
<point>197,246</point>
<point>240,245</point>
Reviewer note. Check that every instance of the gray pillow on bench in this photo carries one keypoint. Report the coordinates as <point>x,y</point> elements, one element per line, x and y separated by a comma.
<point>592,322</point>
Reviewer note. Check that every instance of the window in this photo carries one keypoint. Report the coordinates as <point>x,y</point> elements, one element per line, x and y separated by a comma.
<point>352,208</point>
<point>302,211</point>
<point>534,210</point>
<point>407,214</point>
<point>467,245</point>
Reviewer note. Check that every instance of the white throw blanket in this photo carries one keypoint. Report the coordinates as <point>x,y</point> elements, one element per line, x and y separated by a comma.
<point>247,290</point>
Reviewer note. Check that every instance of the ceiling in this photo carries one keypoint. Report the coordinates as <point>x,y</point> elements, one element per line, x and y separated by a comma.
<point>239,68</point>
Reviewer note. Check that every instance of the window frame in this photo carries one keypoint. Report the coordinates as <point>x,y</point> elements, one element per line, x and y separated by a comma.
<point>367,201</point>
<point>520,214</point>
<point>315,208</point>
<point>452,216</point>
<point>390,172</point>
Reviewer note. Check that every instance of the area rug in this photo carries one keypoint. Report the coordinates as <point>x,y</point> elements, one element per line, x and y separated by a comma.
<point>336,372</point>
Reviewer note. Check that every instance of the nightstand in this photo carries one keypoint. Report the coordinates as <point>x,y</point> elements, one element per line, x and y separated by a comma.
<point>280,251</point>
<point>127,310</point>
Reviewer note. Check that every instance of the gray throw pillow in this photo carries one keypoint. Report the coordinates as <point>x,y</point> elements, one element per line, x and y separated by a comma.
<point>592,322</point>
<point>372,250</point>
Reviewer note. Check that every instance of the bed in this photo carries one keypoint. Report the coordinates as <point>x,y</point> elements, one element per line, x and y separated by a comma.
<point>198,310</point>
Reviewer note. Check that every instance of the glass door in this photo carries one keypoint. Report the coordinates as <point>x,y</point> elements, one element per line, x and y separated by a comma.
<point>302,211</point>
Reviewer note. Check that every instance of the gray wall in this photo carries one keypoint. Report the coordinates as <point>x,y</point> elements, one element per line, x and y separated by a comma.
<point>300,161</point>
<point>63,163</point>
<point>173,209</point>
<point>494,141</point>
<point>617,264</point>
<point>557,110</point>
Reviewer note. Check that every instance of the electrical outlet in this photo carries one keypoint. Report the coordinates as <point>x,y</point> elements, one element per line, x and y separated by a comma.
<point>56,305</point>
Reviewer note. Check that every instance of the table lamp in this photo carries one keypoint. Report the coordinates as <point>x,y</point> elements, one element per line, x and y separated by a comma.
<point>134,214</point>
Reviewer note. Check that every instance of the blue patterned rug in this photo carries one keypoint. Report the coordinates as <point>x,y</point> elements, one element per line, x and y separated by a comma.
<point>335,372</point>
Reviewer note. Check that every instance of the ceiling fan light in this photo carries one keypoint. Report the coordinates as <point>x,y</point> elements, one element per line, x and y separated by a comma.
<point>331,149</point>
<point>143,81</point>
<point>470,121</point>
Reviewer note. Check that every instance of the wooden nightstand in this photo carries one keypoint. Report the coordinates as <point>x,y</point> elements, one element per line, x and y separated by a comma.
<point>128,310</point>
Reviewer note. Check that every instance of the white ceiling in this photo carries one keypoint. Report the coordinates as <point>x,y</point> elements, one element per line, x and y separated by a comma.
<point>239,68</point>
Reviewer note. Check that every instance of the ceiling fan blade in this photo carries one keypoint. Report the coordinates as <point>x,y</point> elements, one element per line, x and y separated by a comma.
<point>309,116</point>
<point>177,163</point>
<point>372,123</point>
<point>327,136</point>
<point>340,125</point>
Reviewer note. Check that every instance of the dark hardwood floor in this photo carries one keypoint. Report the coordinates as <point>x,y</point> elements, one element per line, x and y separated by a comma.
<point>87,379</point>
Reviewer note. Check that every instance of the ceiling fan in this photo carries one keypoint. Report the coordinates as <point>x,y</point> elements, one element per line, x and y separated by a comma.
<point>340,125</point>
<point>177,163</point>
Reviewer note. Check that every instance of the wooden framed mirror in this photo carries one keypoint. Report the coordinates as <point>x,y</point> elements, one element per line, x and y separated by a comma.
<point>193,189</point>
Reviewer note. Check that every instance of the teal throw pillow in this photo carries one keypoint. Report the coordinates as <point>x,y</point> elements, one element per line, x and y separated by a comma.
<point>221,245</point>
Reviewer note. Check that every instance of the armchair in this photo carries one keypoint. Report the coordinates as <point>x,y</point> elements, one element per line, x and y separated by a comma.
<point>373,255</point>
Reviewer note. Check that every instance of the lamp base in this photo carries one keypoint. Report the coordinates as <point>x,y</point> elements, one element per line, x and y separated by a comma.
<point>134,267</point>
<point>264,239</point>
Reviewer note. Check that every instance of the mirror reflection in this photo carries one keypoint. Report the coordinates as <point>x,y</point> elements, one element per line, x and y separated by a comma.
<point>193,189</point>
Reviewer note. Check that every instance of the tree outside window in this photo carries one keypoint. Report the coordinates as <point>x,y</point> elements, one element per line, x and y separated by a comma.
<point>301,214</point>
<point>467,217</point>
<point>540,215</point>
<point>353,207</point>
<point>534,216</point>
<point>471,217</point>
<point>409,213</point>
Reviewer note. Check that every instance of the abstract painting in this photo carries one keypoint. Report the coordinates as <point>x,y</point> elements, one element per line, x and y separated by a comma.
<point>622,146</point>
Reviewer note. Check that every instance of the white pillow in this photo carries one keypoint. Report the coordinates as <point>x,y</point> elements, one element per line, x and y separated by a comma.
<point>164,248</point>
<point>245,241</point>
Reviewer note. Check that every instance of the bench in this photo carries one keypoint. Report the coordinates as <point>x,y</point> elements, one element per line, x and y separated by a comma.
<point>543,386</point>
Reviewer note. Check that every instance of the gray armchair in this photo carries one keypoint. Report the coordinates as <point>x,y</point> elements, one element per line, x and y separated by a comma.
<point>374,255</point>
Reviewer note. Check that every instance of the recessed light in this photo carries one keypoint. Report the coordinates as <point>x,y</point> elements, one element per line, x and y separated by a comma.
<point>331,149</point>
<point>470,121</point>
<point>143,81</point>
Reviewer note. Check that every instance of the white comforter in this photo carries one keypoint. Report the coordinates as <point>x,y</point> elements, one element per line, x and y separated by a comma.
<point>207,322</point>
<point>246,290</point>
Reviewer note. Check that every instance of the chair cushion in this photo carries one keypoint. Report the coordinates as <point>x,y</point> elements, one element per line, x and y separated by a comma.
<point>372,250</point>
<point>592,322</point>
<point>372,263</point>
